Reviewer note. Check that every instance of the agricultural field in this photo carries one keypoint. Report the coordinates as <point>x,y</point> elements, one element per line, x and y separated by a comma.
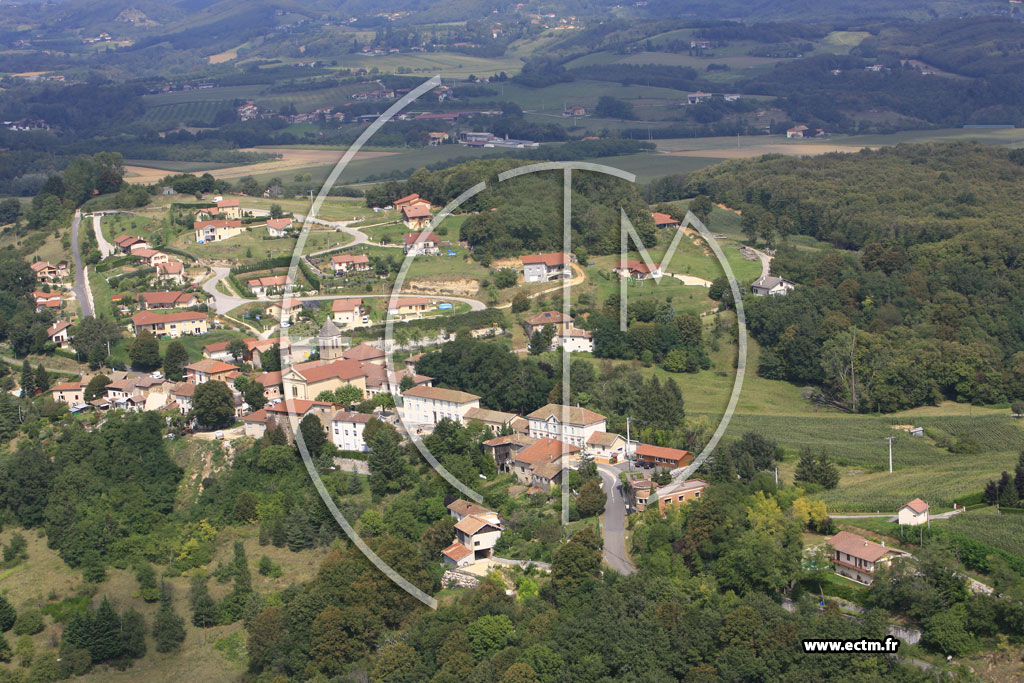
<point>1003,531</point>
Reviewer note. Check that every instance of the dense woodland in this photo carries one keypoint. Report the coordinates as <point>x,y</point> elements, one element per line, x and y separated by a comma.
<point>920,298</point>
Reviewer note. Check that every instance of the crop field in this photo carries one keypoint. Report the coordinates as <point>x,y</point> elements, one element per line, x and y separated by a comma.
<point>447,64</point>
<point>1003,531</point>
<point>192,113</point>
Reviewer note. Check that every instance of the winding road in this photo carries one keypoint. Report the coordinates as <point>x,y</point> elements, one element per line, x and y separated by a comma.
<point>81,286</point>
<point>615,555</point>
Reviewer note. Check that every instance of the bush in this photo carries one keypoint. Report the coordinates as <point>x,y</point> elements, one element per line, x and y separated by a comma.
<point>29,622</point>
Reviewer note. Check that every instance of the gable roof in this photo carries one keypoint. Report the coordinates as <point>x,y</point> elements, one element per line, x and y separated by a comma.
<point>348,416</point>
<point>665,453</point>
<point>457,551</point>
<point>681,486</point>
<point>441,394</point>
<point>216,223</point>
<point>270,281</point>
<point>770,281</point>
<point>465,507</point>
<point>860,547</point>
<point>269,378</point>
<point>550,260</point>
<point>515,439</point>
<point>58,327</point>
<point>211,366</point>
<point>416,211</point>
<point>553,317</point>
<point>411,237</point>
<point>166,297</point>
<point>917,505</point>
<point>662,219</point>
<point>485,415</point>
<point>472,524</point>
<point>350,258</point>
<point>279,223</point>
<point>224,203</point>
<point>345,305</point>
<point>345,369</point>
<point>409,301</point>
<point>407,199</point>
<point>40,266</point>
<point>544,450</point>
<point>170,267</point>
<point>296,406</point>
<point>151,317</point>
<point>606,439</point>
<point>574,414</point>
<point>363,352</point>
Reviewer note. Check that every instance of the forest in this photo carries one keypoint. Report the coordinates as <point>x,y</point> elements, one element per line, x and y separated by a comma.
<point>919,298</point>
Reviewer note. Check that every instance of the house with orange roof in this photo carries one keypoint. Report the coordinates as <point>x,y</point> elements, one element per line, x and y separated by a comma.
<point>271,382</point>
<point>344,263</point>
<point>606,448</point>
<point>171,271</point>
<point>126,244</point>
<point>679,492</point>
<point>659,456</point>
<point>540,464</point>
<point>663,220</point>
<point>365,353</point>
<point>422,243</point>
<point>416,217</point>
<point>637,270</point>
<point>347,430</point>
<point>567,335</point>
<point>44,271</point>
<point>424,405</point>
<point>151,257</point>
<point>282,415</point>
<point>216,230</point>
<point>229,208</point>
<point>477,531</point>
<point>166,299</point>
<point>857,558</point>
<point>504,449</point>
<point>410,200</point>
<point>308,380</point>
<point>284,310</point>
<point>914,513</point>
<point>209,370</point>
<point>71,393</point>
<point>409,306</point>
<point>260,286</point>
<point>546,267</point>
<point>347,312</point>
<point>171,324</point>
<point>278,227</point>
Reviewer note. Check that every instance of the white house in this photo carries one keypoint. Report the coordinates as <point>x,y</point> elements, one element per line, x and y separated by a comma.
<point>347,430</point>
<point>546,267</point>
<point>771,285</point>
<point>570,424</point>
<point>477,531</point>
<point>429,405</point>
<point>914,513</point>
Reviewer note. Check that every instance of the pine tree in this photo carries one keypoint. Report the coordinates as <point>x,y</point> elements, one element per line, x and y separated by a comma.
<point>42,378</point>
<point>264,534</point>
<point>133,634</point>
<point>991,495</point>
<point>301,534</point>
<point>278,533</point>
<point>355,484</point>
<point>827,473</point>
<point>28,380</point>
<point>8,615</point>
<point>5,649</point>
<point>1007,492</point>
<point>8,416</point>
<point>325,535</point>
<point>175,359</point>
<point>243,578</point>
<point>144,352</point>
<point>1018,477</point>
<point>204,609</point>
<point>146,577</point>
<point>168,627</point>
<point>106,637</point>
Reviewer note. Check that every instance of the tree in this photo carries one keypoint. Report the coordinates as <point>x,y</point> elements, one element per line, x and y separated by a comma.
<point>398,663</point>
<point>520,672</point>
<point>204,608</point>
<point>505,278</point>
<point>816,469</point>
<point>8,615</point>
<point>237,348</point>
<point>407,383</point>
<point>145,352</point>
<point>1007,492</point>
<point>28,380</point>
<point>1017,408</point>
<point>168,627</point>
<point>945,632</point>
<point>328,639</point>
<point>42,379</point>
<point>676,360</point>
<point>95,388</point>
<point>175,360</point>
<point>591,499</point>
<point>488,634</point>
<point>276,211</point>
<point>301,534</point>
<point>702,207</point>
<point>313,435</point>
<point>520,302</point>
<point>213,405</point>
<point>133,635</point>
<point>146,576</point>
<point>614,108</point>
<point>541,340</point>
<point>254,394</point>
<point>385,460</point>
<point>271,359</point>
<point>10,210</point>
<point>575,565</point>
<point>5,649</point>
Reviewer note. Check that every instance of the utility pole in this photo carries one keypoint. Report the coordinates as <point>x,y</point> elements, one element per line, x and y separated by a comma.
<point>889,439</point>
<point>628,459</point>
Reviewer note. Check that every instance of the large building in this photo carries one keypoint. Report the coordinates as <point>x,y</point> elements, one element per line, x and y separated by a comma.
<point>546,267</point>
<point>171,324</point>
<point>659,456</point>
<point>571,424</point>
<point>347,430</point>
<point>307,380</point>
<point>425,405</point>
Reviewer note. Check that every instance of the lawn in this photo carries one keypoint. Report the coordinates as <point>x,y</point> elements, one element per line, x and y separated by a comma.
<point>194,343</point>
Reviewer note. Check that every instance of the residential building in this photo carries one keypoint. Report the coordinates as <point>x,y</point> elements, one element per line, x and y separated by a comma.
<point>423,405</point>
<point>285,310</point>
<point>181,396</point>
<point>381,381</point>
<point>639,492</point>
<point>576,341</point>
<point>46,299</point>
<point>216,230</point>
<point>699,96</point>
<point>330,341</point>
<point>546,267</point>
<point>411,200</point>
<point>209,370</point>
<point>571,424</point>
<point>407,307</point>
<point>71,393</point>
<point>126,244</point>
<point>271,382</point>
<point>229,208</point>
<point>151,257</point>
<point>798,132</point>
<point>344,263</point>
<point>435,138</point>
<point>166,299</point>
<point>347,312</point>
<point>637,270</point>
<point>539,465</point>
<point>171,324</point>
<point>771,285</point>
<point>495,419</point>
<point>659,456</point>
<point>307,380</point>
<point>422,243</point>
<point>171,272</point>
<point>566,334</point>
<point>477,531</point>
<point>914,513</point>
<point>857,558</point>
<point>680,492</point>
<point>606,448</point>
<point>347,430</point>
<point>282,415</point>
<point>504,449</point>
<point>58,334</point>
<point>278,227</point>
<point>262,286</point>
<point>416,217</point>
<point>410,362</point>
<point>45,271</point>
<point>365,353</point>
<point>663,220</point>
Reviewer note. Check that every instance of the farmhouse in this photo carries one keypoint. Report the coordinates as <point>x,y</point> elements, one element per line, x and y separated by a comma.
<point>798,132</point>
<point>216,230</point>
<point>262,285</point>
<point>771,285</point>
<point>504,449</point>
<point>422,243</point>
<point>416,217</point>
<point>914,513</point>
<point>566,334</point>
<point>857,558</point>
<point>546,267</point>
<point>71,393</point>
<point>170,324</point>
<point>659,456</point>
<point>429,405</point>
<point>166,299</point>
<point>571,424</point>
<point>278,227</point>
<point>343,263</point>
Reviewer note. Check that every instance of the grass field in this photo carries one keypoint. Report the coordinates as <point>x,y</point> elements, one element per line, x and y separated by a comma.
<point>1004,531</point>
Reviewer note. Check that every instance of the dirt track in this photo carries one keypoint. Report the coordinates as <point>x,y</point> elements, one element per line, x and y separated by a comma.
<point>797,149</point>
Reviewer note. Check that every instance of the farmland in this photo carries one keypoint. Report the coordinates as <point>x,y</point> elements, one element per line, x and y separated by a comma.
<point>1003,531</point>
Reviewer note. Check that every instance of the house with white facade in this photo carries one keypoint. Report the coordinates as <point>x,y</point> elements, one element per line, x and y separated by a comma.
<point>772,285</point>
<point>914,513</point>
<point>571,424</point>
<point>347,430</point>
<point>546,267</point>
<point>477,531</point>
<point>425,405</point>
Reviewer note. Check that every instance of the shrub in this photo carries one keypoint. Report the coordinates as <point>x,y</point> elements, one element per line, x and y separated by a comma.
<point>29,622</point>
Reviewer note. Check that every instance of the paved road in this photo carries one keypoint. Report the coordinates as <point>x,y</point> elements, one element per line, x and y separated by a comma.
<point>766,262</point>
<point>614,522</point>
<point>106,248</point>
<point>81,288</point>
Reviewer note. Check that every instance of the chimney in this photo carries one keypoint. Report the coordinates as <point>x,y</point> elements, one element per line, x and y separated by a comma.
<point>883,544</point>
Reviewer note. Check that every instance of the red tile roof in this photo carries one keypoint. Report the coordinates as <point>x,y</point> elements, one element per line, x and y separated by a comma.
<point>858,546</point>
<point>363,352</point>
<point>917,505</point>
<point>216,223</point>
<point>441,394</point>
<point>279,223</point>
<point>345,305</point>
<point>296,406</point>
<point>549,260</point>
<point>340,369</point>
<point>210,366</point>
<point>661,219</point>
<point>457,551</point>
<point>553,317</point>
<point>411,237</point>
<point>674,454</point>
<point>151,317</point>
<point>416,211</point>
<point>574,414</point>
<point>545,450</point>
<point>165,298</point>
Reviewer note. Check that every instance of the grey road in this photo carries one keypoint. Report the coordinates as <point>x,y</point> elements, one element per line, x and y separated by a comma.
<point>106,248</point>
<point>614,522</point>
<point>81,288</point>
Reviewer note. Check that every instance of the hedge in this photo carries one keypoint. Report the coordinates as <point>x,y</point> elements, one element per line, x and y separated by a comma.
<point>974,554</point>
<point>473,320</point>
<point>179,252</point>
<point>104,266</point>
<point>266,264</point>
<point>970,499</point>
<point>148,270</point>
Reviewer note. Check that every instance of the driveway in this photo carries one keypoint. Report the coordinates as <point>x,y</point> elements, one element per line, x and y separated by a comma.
<point>81,287</point>
<point>106,248</point>
<point>614,522</point>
